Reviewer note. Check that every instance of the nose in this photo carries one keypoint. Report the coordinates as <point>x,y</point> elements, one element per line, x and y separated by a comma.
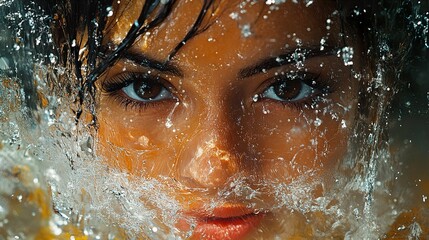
<point>208,160</point>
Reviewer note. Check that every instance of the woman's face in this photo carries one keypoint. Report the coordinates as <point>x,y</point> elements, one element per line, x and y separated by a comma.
<point>245,124</point>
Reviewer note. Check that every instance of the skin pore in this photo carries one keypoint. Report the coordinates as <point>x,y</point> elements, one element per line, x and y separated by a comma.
<point>258,100</point>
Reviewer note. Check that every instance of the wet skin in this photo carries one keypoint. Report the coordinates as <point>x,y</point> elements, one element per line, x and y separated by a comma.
<point>222,112</point>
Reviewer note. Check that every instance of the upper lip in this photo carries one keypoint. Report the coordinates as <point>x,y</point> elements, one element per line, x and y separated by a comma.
<point>225,211</point>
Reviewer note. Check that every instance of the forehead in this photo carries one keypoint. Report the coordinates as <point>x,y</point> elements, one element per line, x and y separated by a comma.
<point>231,27</point>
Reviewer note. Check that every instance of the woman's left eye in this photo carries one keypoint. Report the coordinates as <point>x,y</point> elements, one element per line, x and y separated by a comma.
<point>290,90</point>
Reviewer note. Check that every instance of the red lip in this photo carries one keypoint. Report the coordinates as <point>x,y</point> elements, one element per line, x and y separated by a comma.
<point>226,222</point>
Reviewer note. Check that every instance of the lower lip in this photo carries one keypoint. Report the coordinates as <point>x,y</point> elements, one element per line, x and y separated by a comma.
<point>226,228</point>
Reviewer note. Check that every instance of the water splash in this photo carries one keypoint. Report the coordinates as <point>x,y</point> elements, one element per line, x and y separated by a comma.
<point>42,147</point>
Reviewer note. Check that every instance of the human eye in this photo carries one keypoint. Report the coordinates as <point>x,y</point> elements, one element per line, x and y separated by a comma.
<point>138,89</point>
<point>295,89</point>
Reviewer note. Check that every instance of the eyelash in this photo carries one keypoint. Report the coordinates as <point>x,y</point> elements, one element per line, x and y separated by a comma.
<point>117,82</point>
<point>113,87</point>
<point>132,105</point>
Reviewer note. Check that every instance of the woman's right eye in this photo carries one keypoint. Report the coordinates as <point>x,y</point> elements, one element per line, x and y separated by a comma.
<point>147,90</point>
<point>138,88</point>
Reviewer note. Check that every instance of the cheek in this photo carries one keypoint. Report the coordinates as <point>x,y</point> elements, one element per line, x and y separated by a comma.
<point>292,143</point>
<point>140,144</point>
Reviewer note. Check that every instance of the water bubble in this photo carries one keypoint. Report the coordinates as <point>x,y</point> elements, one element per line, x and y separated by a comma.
<point>265,111</point>
<point>52,58</point>
<point>317,122</point>
<point>271,2</point>
<point>246,31</point>
<point>233,15</point>
<point>168,122</point>
<point>322,44</point>
<point>408,104</point>
<point>298,42</point>
<point>255,98</point>
<point>328,24</point>
<point>109,11</point>
<point>346,53</point>
<point>308,3</point>
<point>55,229</point>
<point>299,58</point>
<point>51,174</point>
<point>415,231</point>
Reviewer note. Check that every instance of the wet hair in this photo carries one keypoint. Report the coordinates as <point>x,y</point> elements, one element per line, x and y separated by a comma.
<point>73,18</point>
<point>372,22</point>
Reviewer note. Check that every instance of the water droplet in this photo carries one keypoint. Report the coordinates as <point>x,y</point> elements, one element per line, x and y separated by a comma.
<point>109,11</point>
<point>168,122</point>
<point>255,98</point>
<point>308,3</point>
<point>245,30</point>
<point>274,2</point>
<point>346,53</point>
<point>52,58</point>
<point>317,122</point>
<point>265,111</point>
<point>4,63</point>
<point>233,15</point>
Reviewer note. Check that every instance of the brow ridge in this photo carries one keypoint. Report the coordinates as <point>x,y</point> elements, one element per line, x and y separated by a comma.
<point>146,61</point>
<point>284,59</point>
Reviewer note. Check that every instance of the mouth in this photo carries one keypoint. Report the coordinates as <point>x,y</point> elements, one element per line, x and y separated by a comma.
<point>226,222</point>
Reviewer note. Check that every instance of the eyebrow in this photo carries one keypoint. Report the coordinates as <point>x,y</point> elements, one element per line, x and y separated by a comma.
<point>285,59</point>
<point>145,61</point>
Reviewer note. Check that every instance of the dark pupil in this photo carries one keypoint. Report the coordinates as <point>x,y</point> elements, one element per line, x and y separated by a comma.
<point>147,89</point>
<point>288,90</point>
